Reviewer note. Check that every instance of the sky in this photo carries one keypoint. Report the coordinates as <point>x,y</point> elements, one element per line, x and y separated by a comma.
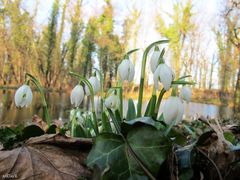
<point>205,13</point>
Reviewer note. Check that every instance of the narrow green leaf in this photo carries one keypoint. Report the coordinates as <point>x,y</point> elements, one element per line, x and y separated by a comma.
<point>79,131</point>
<point>118,117</point>
<point>229,136</point>
<point>106,123</point>
<point>151,106</point>
<point>115,121</point>
<point>131,113</point>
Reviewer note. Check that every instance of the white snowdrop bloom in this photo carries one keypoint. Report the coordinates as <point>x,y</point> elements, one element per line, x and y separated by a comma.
<point>75,114</point>
<point>95,85</point>
<point>126,70</point>
<point>23,96</point>
<point>77,95</point>
<point>112,102</point>
<point>173,110</point>
<point>186,94</point>
<point>165,75</point>
<point>154,59</point>
<point>79,117</point>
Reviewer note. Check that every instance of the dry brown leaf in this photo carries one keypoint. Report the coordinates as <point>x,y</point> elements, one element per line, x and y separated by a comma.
<point>48,157</point>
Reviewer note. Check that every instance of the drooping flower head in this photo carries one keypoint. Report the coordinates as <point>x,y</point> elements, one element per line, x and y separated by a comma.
<point>186,94</point>
<point>95,85</point>
<point>23,96</point>
<point>77,95</point>
<point>173,110</point>
<point>126,70</point>
<point>163,74</point>
<point>112,102</point>
<point>76,114</point>
<point>154,61</point>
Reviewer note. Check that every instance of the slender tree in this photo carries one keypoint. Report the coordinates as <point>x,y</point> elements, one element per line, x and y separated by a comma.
<point>177,31</point>
<point>89,46</point>
<point>76,29</point>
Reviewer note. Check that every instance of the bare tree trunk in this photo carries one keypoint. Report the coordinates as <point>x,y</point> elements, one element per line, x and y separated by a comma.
<point>237,89</point>
<point>211,74</point>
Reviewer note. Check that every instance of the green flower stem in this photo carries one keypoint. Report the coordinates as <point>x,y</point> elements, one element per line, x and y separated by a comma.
<point>101,90</point>
<point>73,125</point>
<point>181,82</point>
<point>183,77</point>
<point>174,90</point>
<point>153,91</point>
<point>120,94</point>
<point>44,103</point>
<point>144,60</point>
<point>169,127</point>
<point>92,99</point>
<point>160,97</point>
<point>126,56</point>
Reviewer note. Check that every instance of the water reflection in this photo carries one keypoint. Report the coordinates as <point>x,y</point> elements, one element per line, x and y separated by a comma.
<point>59,106</point>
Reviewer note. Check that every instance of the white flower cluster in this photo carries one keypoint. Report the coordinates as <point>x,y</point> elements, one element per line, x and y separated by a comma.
<point>77,93</point>
<point>162,73</point>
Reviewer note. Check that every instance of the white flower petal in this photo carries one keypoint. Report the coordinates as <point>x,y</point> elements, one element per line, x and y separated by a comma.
<point>112,102</point>
<point>170,110</point>
<point>180,111</point>
<point>28,97</point>
<point>23,96</point>
<point>79,117</point>
<point>123,66</point>
<point>156,79</point>
<point>77,95</point>
<point>165,74</point>
<point>186,93</point>
<point>154,60</point>
<point>126,70</point>
<point>95,85</point>
<point>132,72</point>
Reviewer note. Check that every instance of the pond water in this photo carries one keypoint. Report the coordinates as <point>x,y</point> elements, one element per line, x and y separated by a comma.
<point>59,107</point>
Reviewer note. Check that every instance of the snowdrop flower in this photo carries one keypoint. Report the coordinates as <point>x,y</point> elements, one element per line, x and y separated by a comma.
<point>76,113</point>
<point>77,95</point>
<point>154,59</point>
<point>173,110</point>
<point>23,96</point>
<point>79,117</point>
<point>95,85</point>
<point>165,75</point>
<point>112,102</point>
<point>126,70</point>
<point>186,94</point>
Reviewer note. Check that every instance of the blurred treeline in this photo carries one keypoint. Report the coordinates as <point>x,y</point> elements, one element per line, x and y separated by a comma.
<point>45,53</point>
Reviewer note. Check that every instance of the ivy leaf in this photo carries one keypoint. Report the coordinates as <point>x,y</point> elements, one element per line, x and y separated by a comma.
<point>151,106</point>
<point>145,120</point>
<point>52,129</point>
<point>150,146</point>
<point>7,137</point>
<point>32,131</point>
<point>110,153</point>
